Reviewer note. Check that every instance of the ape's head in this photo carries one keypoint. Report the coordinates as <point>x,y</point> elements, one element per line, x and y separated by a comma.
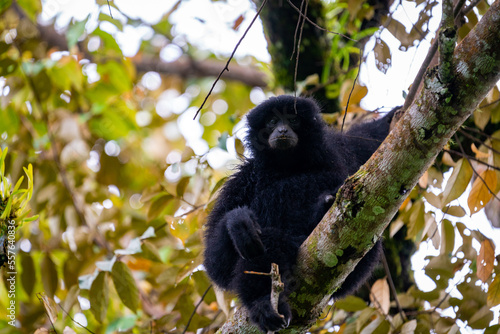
<point>284,124</point>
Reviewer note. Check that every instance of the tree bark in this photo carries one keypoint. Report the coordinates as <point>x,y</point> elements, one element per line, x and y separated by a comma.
<point>369,199</point>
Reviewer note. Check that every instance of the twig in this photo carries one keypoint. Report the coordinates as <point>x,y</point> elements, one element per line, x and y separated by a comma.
<point>109,7</point>
<point>296,31</point>
<point>468,157</point>
<point>393,288</point>
<point>76,322</point>
<point>481,133</point>
<point>316,25</point>
<point>226,67</point>
<point>474,170</point>
<point>468,135</point>
<point>196,307</point>
<point>298,45</point>
<point>352,89</point>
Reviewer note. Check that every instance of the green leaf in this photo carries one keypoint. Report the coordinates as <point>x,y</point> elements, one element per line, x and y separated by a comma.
<point>182,185</point>
<point>49,277</point>
<point>482,318</point>
<point>351,304</point>
<point>125,285</point>
<point>218,185</point>
<point>7,66</point>
<point>108,42</point>
<point>28,274</point>
<point>150,252</point>
<point>158,205</point>
<point>107,18</point>
<point>71,298</point>
<point>459,179</point>
<point>122,324</point>
<point>75,31</point>
<point>31,7</point>
<point>4,5</point>
<point>99,297</point>
<point>447,237</point>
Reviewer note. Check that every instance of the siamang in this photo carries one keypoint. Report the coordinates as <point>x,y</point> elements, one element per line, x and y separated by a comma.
<point>277,197</point>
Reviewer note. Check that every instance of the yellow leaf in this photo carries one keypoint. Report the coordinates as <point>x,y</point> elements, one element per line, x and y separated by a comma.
<point>493,298</point>
<point>478,153</point>
<point>458,181</point>
<point>422,182</point>
<point>480,195</point>
<point>380,296</point>
<point>448,160</point>
<point>485,260</point>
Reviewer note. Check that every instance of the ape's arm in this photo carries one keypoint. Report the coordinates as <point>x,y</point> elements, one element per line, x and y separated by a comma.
<point>232,230</point>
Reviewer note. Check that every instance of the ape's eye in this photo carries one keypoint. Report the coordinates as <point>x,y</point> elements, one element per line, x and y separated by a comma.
<point>273,121</point>
<point>294,120</point>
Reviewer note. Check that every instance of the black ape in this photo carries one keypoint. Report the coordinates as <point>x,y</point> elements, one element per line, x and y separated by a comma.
<point>271,205</point>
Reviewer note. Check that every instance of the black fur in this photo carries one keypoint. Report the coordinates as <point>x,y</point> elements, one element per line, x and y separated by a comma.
<point>269,207</point>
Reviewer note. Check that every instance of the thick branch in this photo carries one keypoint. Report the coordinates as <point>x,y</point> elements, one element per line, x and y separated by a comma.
<point>185,66</point>
<point>369,199</point>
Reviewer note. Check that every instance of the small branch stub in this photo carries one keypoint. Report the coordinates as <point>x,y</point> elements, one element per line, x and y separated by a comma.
<point>277,287</point>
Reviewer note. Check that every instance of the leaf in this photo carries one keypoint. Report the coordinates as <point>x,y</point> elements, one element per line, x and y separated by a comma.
<point>416,222</point>
<point>239,147</point>
<point>409,327</point>
<point>455,210</point>
<point>158,205</point>
<point>4,5</point>
<point>75,31</point>
<point>7,66</point>
<point>150,252</point>
<point>422,182</point>
<point>382,56</point>
<point>182,185</point>
<point>481,118</point>
<point>479,154</point>
<point>28,274</point>
<point>485,260</point>
<point>237,22</point>
<point>187,154</point>
<point>351,304</point>
<point>493,298</point>
<point>50,307</point>
<point>31,8</point>
<point>482,318</point>
<point>218,185</point>
<point>99,297</point>
<point>458,181</point>
<point>380,295</point>
<point>480,195</point>
<point>115,22</point>
<point>49,277</point>
<point>125,285</point>
<point>71,298</point>
<point>447,237</point>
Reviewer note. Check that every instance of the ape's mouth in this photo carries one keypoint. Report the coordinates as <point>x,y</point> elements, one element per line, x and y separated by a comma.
<point>283,142</point>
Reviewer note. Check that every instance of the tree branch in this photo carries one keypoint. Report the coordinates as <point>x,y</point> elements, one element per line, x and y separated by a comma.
<point>369,199</point>
<point>185,66</point>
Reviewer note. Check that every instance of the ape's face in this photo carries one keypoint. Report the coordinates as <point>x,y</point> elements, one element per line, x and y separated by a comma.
<point>283,124</point>
<point>283,131</point>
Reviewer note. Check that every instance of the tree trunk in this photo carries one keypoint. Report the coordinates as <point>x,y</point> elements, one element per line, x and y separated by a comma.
<point>369,199</point>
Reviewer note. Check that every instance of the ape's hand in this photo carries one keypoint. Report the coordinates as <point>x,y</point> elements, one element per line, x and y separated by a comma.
<point>245,232</point>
